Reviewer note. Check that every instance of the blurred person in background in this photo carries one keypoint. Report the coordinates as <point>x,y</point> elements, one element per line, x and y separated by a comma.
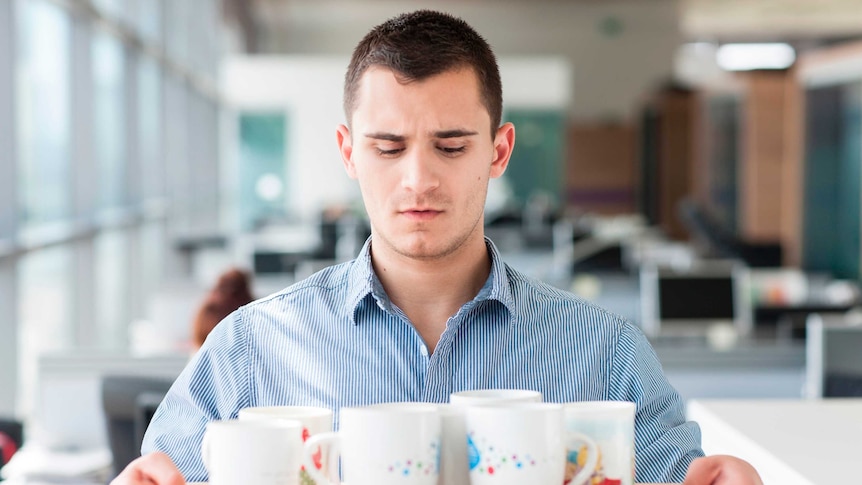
<point>231,291</point>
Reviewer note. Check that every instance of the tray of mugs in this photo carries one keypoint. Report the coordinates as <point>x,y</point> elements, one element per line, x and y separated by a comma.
<point>481,437</point>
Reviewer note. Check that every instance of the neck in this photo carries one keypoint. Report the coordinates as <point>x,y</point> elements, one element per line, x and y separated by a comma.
<point>430,291</point>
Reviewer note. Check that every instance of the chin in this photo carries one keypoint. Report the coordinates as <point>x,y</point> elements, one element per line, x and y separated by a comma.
<point>419,247</point>
<point>419,250</point>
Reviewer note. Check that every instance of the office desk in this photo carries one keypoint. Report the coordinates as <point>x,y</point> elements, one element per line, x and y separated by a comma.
<point>788,321</point>
<point>788,441</point>
<point>751,370</point>
<point>190,243</point>
<point>205,483</point>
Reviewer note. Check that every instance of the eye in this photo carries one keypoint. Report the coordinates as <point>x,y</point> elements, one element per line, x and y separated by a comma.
<point>452,150</point>
<point>389,153</point>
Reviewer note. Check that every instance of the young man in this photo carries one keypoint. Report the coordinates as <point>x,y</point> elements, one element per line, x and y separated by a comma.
<point>428,308</point>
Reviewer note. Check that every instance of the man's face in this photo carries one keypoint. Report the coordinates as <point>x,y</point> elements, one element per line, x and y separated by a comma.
<point>423,154</point>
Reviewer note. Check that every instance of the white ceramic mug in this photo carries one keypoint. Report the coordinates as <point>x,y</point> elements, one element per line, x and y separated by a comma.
<point>486,397</point>
<point>383,444</point>
<point>454,469</point>
<point>262,453</point>
<point>611,424</point>
<point>315,420</point>
<point>453,445</point>
<point>521,443</point>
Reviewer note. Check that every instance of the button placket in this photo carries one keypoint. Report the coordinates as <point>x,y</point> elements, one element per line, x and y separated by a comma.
<point>438,382</point>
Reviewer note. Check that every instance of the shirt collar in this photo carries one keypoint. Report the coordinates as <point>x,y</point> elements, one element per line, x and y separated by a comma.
<point>498,287</point>
<point>363,284</point>
<point>360,279</point>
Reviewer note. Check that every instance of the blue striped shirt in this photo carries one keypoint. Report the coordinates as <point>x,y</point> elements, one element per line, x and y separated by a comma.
<point>335,340</point>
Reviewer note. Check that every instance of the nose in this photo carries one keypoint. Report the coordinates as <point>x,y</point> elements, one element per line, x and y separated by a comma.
<point>419,174</point>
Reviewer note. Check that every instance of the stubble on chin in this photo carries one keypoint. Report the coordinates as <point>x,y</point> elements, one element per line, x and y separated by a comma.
<point>427,245</point>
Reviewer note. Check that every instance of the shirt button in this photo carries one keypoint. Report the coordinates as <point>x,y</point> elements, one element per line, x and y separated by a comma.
<point>423,350</point>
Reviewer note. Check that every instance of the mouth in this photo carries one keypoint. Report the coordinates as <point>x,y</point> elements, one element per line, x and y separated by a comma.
<point>420,214</point>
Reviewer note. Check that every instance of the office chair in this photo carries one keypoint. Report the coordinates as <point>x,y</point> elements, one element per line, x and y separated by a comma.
<point>129,403</point>
<point>721,241</point>
<point>833,359</point>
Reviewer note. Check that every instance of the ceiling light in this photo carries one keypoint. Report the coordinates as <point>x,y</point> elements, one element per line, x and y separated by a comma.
<point>748,57</point>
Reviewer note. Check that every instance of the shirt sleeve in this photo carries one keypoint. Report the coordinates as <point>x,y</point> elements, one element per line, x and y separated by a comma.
<point>665,443</point>
<point>214,385</point>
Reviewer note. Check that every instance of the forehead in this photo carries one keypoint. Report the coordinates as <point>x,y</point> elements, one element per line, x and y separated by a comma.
<point>453,96</point>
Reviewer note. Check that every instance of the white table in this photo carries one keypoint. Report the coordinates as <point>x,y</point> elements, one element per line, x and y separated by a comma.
<point>205,483</point>
<point>788,441</point>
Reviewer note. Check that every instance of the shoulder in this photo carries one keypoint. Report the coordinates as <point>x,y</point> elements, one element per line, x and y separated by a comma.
<point>333,279</point>
<point>326,292</point>
<point>536,299</point>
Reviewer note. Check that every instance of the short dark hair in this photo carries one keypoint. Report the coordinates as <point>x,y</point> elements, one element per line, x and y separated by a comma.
<point>421,44</point>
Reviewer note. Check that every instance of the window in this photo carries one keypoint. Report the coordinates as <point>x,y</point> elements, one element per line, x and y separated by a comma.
<point>152,173</point>
<point>112,283</point>
<point>110,8</point>
<point>109,126</point>
<point>101,121</point>
<point>44,308</point>
<point>149,20</point>
<point>43,127</point>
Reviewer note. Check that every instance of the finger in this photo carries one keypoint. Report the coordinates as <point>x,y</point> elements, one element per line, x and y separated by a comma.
<point>151,469</point>
<point>702,471</point>
<point>161,470</point>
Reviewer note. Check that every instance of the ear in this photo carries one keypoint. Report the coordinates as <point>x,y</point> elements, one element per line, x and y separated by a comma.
<point>504,142</point>
<point>345,146</point>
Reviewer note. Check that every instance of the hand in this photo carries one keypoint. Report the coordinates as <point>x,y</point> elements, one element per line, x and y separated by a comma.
<point>151,469</point>
<point>721,470</point>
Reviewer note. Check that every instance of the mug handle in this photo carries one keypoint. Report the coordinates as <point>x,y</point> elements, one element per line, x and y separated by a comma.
<point>332,444</point>
<point>582,477</point>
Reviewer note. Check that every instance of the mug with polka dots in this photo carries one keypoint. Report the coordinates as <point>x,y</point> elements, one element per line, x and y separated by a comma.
<point>513,444</point>
<point>382,444</point>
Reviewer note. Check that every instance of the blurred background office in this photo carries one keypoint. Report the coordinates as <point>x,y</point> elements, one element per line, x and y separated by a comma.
<point>692,165</point>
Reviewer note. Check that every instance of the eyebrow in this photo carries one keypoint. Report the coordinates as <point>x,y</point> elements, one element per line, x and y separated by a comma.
<point>456,133</point>
<point>385,136</point>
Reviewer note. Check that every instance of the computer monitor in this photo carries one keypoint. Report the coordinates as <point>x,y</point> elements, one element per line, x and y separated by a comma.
<point>833,356</point>
<point>129,402</point>
<point>691,300</point>
<point>69,411</point>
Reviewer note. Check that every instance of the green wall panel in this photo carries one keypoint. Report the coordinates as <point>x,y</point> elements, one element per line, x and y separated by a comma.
<point>537,160</point>
<point>831,225</point>
<point>262,167</point>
